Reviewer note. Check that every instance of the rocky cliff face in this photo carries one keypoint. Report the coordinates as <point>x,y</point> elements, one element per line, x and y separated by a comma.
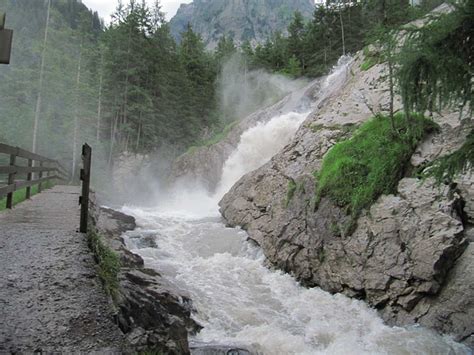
<point>253,20</point>
<point>410,255</point>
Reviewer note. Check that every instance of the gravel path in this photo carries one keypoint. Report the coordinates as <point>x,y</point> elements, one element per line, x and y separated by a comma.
<point>50,296</point>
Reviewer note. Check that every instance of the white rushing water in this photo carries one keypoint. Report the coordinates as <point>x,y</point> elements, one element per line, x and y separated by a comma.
<point>238,300</point>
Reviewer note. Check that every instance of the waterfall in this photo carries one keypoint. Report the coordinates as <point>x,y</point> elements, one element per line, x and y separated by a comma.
<point>257,146</point>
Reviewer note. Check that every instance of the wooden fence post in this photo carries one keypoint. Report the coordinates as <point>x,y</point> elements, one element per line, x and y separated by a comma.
<point>86,178</point>
<point>11,180</point>
<point>40,176</point>
<point>28,178</point>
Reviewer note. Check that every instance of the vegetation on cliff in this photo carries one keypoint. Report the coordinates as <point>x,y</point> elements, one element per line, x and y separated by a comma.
<point>355,172</point>
<point>108,262</point>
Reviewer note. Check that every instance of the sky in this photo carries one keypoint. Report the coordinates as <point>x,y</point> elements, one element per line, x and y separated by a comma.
<point>106,7</point>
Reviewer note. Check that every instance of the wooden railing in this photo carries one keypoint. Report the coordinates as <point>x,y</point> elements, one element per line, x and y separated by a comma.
<point>36,170</point>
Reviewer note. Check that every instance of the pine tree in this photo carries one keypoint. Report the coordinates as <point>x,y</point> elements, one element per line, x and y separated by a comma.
<point>40,85</point>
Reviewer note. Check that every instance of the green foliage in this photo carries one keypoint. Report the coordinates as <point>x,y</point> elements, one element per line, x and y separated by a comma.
<point>134,90</point>
<point>446,168</point>
<point>20,195</point>
<point>216,137</point>
<point>335,229</point>
<point>368,63</point>
<point>355,172</point>
<point>293,68</point>
<point>292,187</point>
<point>225,49</point>
<point>70,24</point>
<point>437,65</point>
<point>318,44</point>
<point>108,262</point>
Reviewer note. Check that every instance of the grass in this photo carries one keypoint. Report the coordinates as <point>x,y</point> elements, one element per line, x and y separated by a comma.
<point>368,63</point>
<point>371,59</point>
<point>20,195</point>
<point>108,262</point>
<point>290,192</point>
<point>216,138</point>
<point>356,171</point>
<point>446,168</point>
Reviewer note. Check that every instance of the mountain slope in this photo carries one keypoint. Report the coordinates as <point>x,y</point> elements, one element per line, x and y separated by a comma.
<point>253,20</point>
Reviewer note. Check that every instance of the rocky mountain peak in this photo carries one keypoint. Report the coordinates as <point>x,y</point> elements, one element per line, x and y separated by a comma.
<point>253,20</point>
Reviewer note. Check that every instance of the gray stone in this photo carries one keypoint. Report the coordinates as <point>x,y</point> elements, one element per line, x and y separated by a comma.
<point>252,20</point>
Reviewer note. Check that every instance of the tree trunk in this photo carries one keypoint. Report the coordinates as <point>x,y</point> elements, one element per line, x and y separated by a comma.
<point>342,32</point>
<point>391,84</point>
<point>113,129</point>
<point>40,89</point>
<point>125,106</point>
<point>138,136</point>
<point>138,130</point>
<point>99,105</point>
<point>76,113</point>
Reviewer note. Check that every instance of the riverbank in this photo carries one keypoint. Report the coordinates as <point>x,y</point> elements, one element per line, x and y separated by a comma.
<point>152,315</point>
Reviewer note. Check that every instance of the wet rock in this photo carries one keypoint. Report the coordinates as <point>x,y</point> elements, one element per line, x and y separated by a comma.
<point>144,241</point>
<point>208,349</point>
<point>153,314</point>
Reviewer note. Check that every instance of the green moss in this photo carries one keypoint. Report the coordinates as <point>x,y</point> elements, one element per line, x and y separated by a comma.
<point>321,255</point>
<point>366,51</point>
<point>108,262</point>
<point>216,138</point>
<point>334,228</point>
<point>448,167</point>
<point>290,192</point>
<point>368,63</point>
<point>20,195</point>
<point>346,128</point>
<point>371,59</point>
<point>356,171</point>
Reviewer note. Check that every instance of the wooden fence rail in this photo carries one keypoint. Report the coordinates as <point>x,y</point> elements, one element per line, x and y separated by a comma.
<point>38,170</point>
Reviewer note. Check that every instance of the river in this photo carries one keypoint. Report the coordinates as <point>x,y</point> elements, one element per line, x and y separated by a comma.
<point>238,299</point>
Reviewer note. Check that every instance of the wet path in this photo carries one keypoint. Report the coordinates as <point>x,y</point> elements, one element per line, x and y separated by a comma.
<point>50,296</point>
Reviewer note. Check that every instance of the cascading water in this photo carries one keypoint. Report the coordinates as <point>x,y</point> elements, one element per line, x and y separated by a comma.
<point>257,145</point>
<point>238,300</point>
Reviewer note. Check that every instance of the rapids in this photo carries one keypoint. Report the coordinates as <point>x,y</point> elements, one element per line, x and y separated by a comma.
<point>239,300</point>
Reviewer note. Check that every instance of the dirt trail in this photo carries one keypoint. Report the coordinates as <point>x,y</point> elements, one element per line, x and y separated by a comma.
<point>50,296</point>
